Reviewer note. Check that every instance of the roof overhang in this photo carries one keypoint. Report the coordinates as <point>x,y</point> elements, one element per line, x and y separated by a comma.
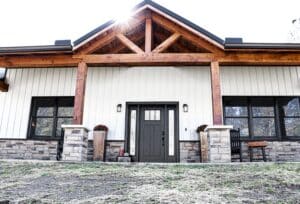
<point>195,29</point>
<point>59,47</point>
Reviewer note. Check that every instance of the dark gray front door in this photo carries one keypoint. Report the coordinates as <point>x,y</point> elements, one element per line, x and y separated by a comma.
<point>152,131</point>
<point>152,134</point>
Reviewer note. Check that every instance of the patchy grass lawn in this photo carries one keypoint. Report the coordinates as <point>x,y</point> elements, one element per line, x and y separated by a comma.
<point>53,182</point>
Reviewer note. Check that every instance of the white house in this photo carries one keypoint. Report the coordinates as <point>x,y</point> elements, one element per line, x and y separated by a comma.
<point>152,81</point>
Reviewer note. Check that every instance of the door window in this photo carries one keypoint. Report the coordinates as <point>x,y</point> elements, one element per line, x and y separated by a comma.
<point>152,114</point>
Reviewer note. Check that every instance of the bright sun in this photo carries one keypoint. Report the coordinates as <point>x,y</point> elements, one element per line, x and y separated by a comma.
<point>122,15</point>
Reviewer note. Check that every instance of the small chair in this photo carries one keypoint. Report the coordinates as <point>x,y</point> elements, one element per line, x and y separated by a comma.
<point>235,143</point>
<point>260,145</point>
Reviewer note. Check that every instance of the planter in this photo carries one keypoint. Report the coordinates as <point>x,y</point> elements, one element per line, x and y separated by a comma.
<point>99,136</point>
<point>203,143</point>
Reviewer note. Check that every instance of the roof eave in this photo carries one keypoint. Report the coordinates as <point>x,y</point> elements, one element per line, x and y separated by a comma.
<point>44,49</point>
<point>263,47</point>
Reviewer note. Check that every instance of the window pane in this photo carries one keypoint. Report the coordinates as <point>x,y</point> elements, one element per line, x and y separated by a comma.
<point>65,111</point>
<point>263,127</point>
<point>263,111</point>
<point>157,115</point>
<point>147,115</point>
<point>239,123</point>
<point>132,132</point>
<point>290,107</point>
<point>45,111</point>
<point>152,115</point>
<point>292,126</point>
<point>236,111</point>
<point>62,121</point>
<point>44,126</point>
<point>171,133</point>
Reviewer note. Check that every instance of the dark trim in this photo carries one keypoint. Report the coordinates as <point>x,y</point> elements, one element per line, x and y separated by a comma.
<point>55,117</point>
<point>136,106</point>
<point>160,8</point>
<point>182,141</point>
<point>279,46</point>
<point>114,140</point>
<point>43,49</point>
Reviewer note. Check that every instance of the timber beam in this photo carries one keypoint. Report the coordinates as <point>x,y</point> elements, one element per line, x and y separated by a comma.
<point>3,86</point>
<point>216,93</point>
<point>146,58</point>
<point>263,59</point>
<point>80,93</point>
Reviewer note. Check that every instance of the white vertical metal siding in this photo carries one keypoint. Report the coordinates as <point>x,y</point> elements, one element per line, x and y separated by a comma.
<point>23,85</point>
<point>260,81</point>
<point>107,87</point>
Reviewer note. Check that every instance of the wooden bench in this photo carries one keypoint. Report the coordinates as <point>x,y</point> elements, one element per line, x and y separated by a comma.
<point>257,144</point>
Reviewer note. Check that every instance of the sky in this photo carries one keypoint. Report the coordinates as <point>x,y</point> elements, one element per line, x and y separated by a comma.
<point>41,22</point>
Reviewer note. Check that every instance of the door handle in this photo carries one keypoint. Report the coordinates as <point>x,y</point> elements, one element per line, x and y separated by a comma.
<point>163,138</point>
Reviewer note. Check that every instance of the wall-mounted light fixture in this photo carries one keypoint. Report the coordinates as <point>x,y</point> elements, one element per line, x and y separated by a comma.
<point>119,108</point>
<point>185,108</point>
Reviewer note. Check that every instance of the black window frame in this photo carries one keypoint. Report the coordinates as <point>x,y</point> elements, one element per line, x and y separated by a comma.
<point>278,116</point>
<point>57,102</point>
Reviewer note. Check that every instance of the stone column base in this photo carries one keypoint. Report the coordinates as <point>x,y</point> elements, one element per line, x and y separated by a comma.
<point>218,137</point>
<point>75,143</point>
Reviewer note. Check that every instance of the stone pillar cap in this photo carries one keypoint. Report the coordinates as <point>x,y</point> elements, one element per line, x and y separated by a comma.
<point>218,127</point>
<point>75,126</point>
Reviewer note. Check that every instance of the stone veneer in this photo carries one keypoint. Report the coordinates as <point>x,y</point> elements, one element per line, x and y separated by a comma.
<point>28,149</point>
<point>276,151</point>
<point>112,149</point>
<point>218,139</point>
<point>189,151</point>
<point>75,143</point>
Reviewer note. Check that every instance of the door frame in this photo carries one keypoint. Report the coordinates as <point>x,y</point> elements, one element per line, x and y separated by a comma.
<point>137,106</point>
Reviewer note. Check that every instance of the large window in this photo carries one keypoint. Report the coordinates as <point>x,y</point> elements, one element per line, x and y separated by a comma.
<point>273,118</point>
<point>47,116</point>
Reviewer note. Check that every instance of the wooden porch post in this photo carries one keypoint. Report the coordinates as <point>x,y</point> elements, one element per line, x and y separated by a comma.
<point>79,93</point>
<point>216,93</point>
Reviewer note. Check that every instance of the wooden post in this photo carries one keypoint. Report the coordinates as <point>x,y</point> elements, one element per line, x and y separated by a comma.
<point>216,93</point>
<point>148,35</point>
<point>79,93</point>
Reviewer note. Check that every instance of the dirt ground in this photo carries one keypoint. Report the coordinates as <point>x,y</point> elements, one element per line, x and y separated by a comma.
<point>54,182</point>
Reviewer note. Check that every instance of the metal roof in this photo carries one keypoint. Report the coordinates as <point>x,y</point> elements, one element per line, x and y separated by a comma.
<point>60,46</point>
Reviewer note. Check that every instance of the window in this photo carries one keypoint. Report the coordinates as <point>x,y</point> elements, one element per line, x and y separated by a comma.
<point>236,114</point>
<point>289,111</point>
<point>264,117</point>
<point>152,114</point>
<point>47,116</point>
<point>171,132</point>
<point>132,134</point>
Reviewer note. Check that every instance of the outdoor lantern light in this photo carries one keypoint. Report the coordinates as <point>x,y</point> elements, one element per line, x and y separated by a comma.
<point>185,108</point>
<point>119,107</point>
